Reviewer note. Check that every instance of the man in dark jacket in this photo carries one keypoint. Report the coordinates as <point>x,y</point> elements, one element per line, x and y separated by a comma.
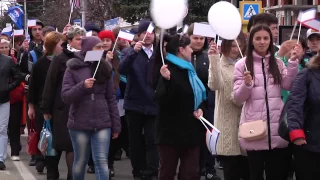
<point>35,45</point>
<point>200,62</point>
<point>8,73</point>
<point>140,107</point>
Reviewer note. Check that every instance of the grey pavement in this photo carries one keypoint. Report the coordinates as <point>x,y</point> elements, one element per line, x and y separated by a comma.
<point>19,170</point>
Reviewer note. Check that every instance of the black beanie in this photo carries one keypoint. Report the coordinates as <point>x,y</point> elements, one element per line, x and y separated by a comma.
<point>90,26</point>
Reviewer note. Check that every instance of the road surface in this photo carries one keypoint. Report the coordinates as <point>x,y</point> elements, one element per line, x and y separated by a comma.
<point>19,170</point>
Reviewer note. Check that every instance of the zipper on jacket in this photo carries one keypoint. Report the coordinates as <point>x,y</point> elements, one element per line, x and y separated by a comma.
<point>267,104</point>
<point>195,62</point>
<point>94,109</point>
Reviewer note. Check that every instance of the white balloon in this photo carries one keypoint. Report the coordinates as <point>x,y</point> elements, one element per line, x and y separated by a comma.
<point>167,13</point>
<point>225,20</point>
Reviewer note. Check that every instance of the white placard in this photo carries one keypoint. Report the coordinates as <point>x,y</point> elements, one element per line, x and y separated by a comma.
<point>203,30</point>
<point>93,56</point>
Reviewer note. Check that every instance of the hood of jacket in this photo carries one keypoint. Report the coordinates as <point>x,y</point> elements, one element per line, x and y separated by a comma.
<point>88,43</point>
<point>77,62</point>
<point>314,62</point>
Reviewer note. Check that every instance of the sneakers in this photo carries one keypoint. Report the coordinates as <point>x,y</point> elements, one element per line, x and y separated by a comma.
<point>40,166</point>
<point>15,158</point>
<point>2,166</point>
<point>32,161</point>
<point>111,171</point>
<point>118,155</point>
<point>212,176</point>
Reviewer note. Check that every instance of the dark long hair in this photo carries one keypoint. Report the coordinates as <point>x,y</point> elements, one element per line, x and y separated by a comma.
<point>176,42</point>
<point>104,71</point>
<point>273,66</point>
<point>158,61</point>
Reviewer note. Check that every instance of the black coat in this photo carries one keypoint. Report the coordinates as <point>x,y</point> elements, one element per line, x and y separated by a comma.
<point>8,71</point>
<point>200,61</point>
<point>303,108</point>
<point>38,79</point>
<point>52,102</point>
<point>175,124</point>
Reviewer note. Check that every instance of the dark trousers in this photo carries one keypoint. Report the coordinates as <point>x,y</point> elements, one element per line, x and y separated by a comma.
<point>14,128</point>
<point>90,161</point>
<point>122,142</point>
<point>114,147</point>
<point>274,163</point>
<point>235,167</point>
<point>144,154</point>
<point>124,135</point>
<point>52,164</point>
<point>307,164</point>
<point>169,158</point>
<point>207,160</point>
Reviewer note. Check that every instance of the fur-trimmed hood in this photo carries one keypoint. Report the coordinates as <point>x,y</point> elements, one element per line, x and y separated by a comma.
<point>314,62</point>
<point>77,62</point>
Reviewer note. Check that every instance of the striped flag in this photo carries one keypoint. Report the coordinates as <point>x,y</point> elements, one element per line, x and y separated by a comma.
<point>126,35</point>
<point>75,3</point>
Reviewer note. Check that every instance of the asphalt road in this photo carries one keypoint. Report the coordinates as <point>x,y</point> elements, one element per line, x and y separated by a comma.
<point>19,170</point>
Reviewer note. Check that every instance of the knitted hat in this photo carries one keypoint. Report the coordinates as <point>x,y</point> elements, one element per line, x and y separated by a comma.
<point>107,34</point>
<point>88,43</point>
<point>143,26</point>
<point>90,26</point>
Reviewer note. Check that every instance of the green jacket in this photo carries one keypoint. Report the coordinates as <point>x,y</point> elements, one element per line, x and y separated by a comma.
<point>285,94</point>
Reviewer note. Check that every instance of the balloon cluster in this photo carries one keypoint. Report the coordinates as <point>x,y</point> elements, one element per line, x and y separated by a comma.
<point>223,16</point>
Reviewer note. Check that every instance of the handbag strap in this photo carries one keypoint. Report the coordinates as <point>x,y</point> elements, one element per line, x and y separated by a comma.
<point>47,124</point>
<point>32,127</point>
<point>204,124</point>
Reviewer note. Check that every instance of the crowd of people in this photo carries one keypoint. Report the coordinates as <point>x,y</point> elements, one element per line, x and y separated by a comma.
<point>129,101</point>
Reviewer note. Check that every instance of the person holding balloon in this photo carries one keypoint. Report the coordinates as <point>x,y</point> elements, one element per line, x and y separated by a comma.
<point>227,111</point>
<point>180,95</point>
<point>258,80</point>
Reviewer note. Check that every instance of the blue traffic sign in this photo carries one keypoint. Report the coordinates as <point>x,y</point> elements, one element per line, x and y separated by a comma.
<point>77,22</point>
<point>249,8</point>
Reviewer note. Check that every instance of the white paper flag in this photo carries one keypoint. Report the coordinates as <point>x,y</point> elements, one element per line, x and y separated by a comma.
<point>203,30</point>
<point>32,23</point>
<point>93,56</point>
<point>18,32</point>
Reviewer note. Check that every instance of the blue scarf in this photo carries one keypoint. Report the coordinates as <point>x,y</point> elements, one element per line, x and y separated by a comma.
<point>122,77</point>
<point>198,88</point>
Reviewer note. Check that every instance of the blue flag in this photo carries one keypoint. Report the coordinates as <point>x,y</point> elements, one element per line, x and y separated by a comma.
<point>16,14</point>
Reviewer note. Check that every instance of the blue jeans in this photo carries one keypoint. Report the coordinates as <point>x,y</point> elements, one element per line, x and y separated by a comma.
<point>4,120</point>
<point>99,142</point>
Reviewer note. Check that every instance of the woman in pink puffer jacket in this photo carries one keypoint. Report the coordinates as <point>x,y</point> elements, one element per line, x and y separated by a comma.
<point>261,96</point>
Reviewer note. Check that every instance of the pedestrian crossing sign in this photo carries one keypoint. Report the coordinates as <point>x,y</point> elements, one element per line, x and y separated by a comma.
<point>248,9</point>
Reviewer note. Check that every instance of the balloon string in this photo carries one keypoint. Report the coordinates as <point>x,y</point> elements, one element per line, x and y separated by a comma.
<point>245,65</point>
<point>161,45</point>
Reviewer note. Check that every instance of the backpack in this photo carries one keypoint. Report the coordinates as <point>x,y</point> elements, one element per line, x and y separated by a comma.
<point>34,56</point>
<point>283,123</point>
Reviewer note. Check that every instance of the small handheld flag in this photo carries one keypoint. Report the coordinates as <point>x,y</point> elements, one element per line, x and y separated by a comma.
<point>123,34</point>
<point>149,30</point>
